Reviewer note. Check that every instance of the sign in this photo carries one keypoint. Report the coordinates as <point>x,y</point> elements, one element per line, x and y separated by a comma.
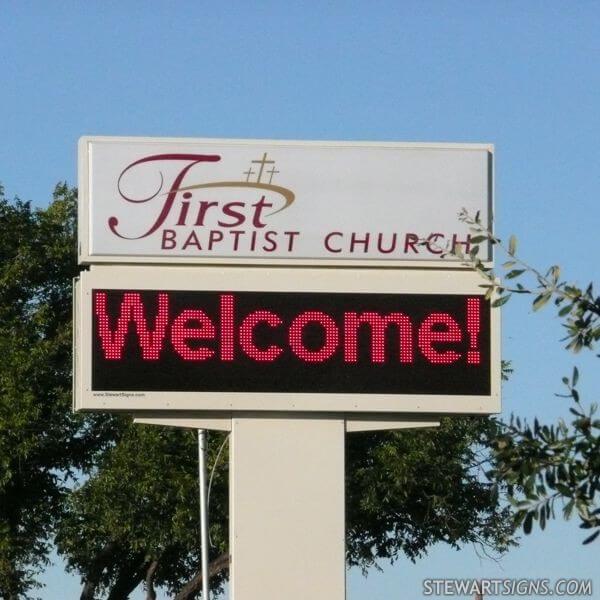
<point>292,203</point>
<point>304,339</point>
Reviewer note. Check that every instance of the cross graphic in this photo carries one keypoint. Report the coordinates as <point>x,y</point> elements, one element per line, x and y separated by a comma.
<point>248,173</point>
<point>262,162</point>
<point>272,172</point>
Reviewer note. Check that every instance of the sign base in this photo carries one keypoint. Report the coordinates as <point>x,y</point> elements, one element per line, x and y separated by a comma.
<point>287,516</point>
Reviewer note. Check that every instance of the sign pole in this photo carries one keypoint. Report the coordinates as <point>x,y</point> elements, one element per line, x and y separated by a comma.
<point>287,514</point>
<point>203,512</point>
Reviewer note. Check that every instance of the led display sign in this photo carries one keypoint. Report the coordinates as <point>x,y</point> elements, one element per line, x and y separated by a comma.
<point>342,342</point>
<point>185,341</point>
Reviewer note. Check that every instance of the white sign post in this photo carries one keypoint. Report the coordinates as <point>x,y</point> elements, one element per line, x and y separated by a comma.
<point>204,332</point>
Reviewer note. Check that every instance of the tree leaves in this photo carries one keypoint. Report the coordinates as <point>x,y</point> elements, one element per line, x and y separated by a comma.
<point>40,440</point>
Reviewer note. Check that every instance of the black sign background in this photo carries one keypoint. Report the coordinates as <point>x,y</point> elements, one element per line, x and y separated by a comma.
<point>288,373</point>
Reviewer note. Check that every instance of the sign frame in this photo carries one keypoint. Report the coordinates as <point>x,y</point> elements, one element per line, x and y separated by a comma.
<point>84,186</point>
<point>409,281</point>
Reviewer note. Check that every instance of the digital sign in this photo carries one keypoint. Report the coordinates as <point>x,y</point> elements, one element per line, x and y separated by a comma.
<point>338,341</point>
<point>232,341</point>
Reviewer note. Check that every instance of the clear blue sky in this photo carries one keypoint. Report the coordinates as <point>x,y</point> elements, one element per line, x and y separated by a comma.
<point>522,75</point>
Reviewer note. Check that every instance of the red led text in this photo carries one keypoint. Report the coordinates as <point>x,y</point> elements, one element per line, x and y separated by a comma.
<point>439,338</point>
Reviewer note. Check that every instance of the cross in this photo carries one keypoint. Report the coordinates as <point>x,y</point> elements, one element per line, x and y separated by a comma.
<point>262,164</point>
<point>248,173</point>
<point>272,172</point>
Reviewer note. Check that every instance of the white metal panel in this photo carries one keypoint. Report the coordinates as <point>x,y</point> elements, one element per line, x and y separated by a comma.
<point>287,509</point>
<point>348,188</point>
<point>258,279</point>
<point>354,423</point>
<point>357,423</point>
<point>190,422</point>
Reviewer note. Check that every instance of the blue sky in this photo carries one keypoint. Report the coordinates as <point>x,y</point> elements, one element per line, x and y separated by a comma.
<point>521,75</point>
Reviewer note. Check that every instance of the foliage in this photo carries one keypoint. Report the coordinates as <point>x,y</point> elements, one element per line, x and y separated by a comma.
<point>544,464</point>
<point>409,489</point>
<point>142,502</point>
<point>41,441</point>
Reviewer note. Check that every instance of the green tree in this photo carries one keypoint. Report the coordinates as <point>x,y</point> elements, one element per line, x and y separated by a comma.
<point>41,441</point>
<point>410,489</point>
<point>556,465</point>
<point>136,519</point>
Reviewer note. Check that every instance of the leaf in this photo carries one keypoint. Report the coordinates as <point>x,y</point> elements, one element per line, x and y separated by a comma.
<point>575,377</point>
<point>565,310</point>
<point>541,300</point>
<point>528,523</point>
<point>501,301</point>
<point>568,509</point>
<point>509,263</point>
<point>515,273</point>
<point>512,245</point>
<point>478,239</point>
<point>591,538</point>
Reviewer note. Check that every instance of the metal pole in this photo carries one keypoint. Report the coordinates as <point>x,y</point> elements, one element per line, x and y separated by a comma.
<point>203,512</point>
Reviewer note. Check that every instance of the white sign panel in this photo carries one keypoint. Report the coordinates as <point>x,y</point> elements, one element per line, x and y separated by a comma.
<point>311,203</point>
<point>151,338</point>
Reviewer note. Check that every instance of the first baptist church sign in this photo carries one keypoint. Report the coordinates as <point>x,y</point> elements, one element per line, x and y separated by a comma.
<point>278,202</point>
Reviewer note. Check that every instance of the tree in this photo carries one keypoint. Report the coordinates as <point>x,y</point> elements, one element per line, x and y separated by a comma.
<point>410,489</point>
<point>406,491</point>
<point>121,499</point>
<point>41,441</point>
<point>547,464</point>
<point>135,520</point>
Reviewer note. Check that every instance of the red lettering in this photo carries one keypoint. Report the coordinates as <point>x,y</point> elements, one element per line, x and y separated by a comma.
<point>227,333</point>
<point>331,336</point>
<point>192,240</point>
<point>410,241</point>
<point>132,309</point>
<point>230,212</point>
<point>432,244</point>
<point>194,159</point>
<point>180,333</point>
<point>356,241</point>
<point>214,236</point>
<point>313,336</point>
<point>247,336</point>
<point>430,333</point>
<point>270,238</point>
<point>328,238</point>
<point>183,211</point>
<point>258,212</point>
<point>291,238</point>
<point>392,246</point>
<point>466,243</point>
<point>202,210</point>
<point>378,325</point>
<point>473,324</point>
<point>168,239</point>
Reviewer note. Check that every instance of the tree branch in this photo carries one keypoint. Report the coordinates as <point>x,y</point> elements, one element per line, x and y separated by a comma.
<point>193,586</point>
<point>149,580</point>
<point>130,574</point>
<point>95,571</point>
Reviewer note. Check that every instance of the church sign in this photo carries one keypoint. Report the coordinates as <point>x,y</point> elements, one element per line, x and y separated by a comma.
<point>283,202</point>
